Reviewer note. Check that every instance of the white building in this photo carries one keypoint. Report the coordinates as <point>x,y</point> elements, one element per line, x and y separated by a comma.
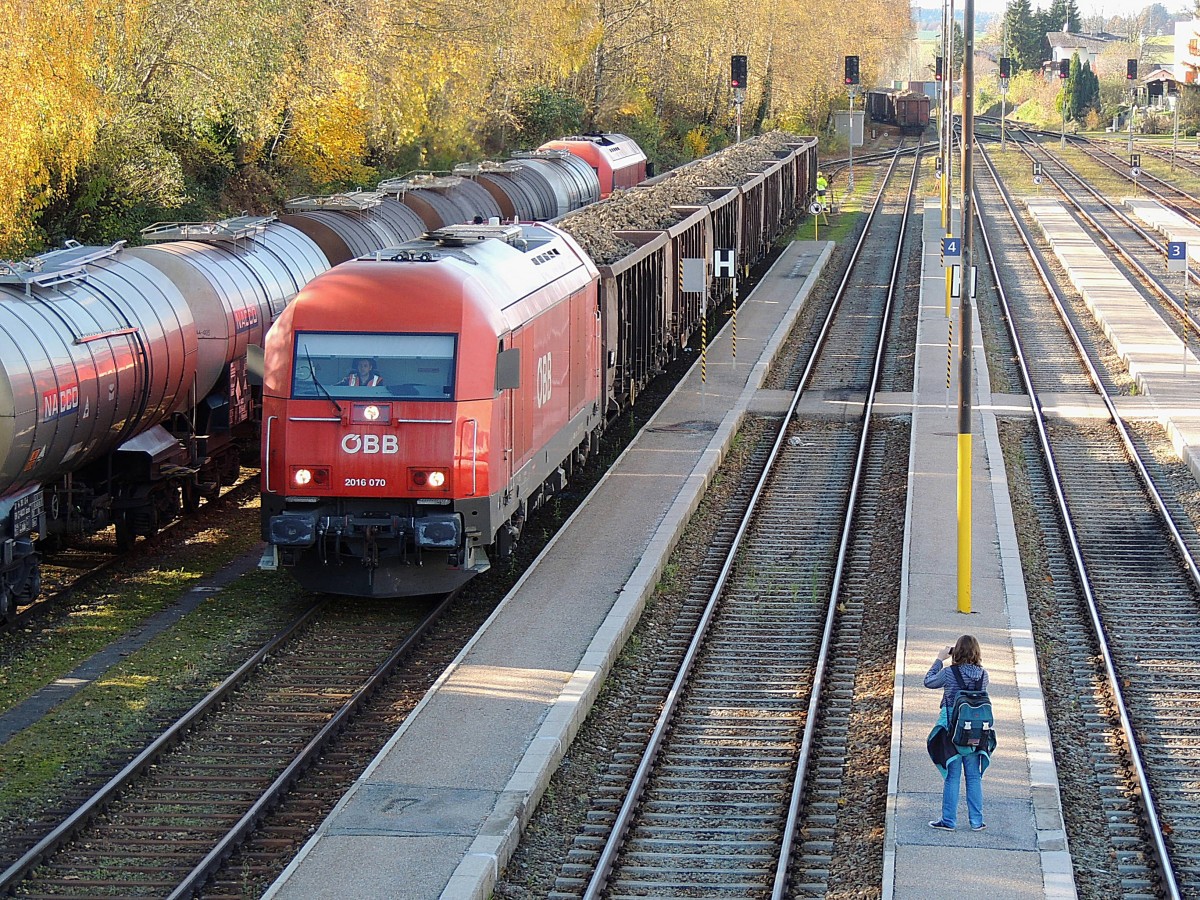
<point>1187,51</point>
<point>1064,45</point>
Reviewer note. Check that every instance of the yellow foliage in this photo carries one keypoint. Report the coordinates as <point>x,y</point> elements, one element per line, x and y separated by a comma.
<point>695,143</point>
<point>53,109</point>
<point>321,85</point>
<point>327,136</point>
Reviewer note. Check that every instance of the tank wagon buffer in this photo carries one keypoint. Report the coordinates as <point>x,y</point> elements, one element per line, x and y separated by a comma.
<point>487,347</point>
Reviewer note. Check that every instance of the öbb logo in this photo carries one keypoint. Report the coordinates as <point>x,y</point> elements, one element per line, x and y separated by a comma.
<point>544,382</point>
<point>370,443</point>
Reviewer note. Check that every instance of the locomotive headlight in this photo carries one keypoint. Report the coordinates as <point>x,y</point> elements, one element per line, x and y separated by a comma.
<point>427,478</point>
<point>302,477</point>
<point>371,413</point>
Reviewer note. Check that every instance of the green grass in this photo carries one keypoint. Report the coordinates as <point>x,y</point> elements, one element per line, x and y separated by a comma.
<point>122,601</point>
<point>167,675</point>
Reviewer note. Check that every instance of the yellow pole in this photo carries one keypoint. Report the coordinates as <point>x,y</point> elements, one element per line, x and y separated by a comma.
<point>964,522</point>
<point>965,309</point>
<point>949,279</point>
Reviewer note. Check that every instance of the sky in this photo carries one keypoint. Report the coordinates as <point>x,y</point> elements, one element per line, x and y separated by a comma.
<point>1087,8</point>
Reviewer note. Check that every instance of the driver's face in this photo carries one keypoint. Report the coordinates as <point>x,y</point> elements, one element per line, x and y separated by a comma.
<point>364,367</point>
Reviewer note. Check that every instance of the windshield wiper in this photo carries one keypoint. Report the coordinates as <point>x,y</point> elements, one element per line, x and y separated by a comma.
<point>317,381</point>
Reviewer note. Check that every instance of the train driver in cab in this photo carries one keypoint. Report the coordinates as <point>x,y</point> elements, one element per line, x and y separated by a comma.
<point>364,374</point>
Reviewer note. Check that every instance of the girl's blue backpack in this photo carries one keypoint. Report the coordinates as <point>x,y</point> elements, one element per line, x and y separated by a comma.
<point>972,726</point>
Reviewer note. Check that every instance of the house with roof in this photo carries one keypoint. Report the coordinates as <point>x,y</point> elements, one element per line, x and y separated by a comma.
<point>1065,44</point>
<point>1161,85</point>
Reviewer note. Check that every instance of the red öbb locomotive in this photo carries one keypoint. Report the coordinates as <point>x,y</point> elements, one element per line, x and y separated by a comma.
<point>476,362</point>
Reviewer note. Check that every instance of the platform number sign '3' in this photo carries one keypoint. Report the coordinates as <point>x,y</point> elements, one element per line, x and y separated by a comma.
<point>544,381</point>
<point>1177,256</point>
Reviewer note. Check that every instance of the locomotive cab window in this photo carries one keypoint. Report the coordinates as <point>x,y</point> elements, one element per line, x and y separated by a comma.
<point>350,366</point>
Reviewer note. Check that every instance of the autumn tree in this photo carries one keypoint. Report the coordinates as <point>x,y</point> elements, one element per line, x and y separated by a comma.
<point>130,110</point>
<point>54,110</point>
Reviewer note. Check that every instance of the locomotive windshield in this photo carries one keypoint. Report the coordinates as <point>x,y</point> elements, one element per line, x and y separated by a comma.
<point>416,366</point>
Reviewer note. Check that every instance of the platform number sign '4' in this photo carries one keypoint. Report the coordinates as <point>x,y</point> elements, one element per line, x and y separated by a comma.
<point>1177,256</point>
<point>951,251</point>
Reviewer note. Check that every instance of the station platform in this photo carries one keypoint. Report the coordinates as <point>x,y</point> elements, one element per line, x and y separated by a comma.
<point>1023,852</point>
<point>439,812</point>
<point>1166,222</point>
<point>1164,368</point>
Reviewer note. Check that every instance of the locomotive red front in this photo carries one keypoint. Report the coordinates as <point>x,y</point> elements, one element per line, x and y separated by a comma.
<point>420,402</point>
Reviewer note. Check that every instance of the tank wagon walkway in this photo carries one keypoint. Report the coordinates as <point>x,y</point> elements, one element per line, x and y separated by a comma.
<point>439,811</point>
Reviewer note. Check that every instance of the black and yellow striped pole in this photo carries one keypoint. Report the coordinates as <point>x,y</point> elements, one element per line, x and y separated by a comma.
<point>949,357</point>
<point>734,323</point>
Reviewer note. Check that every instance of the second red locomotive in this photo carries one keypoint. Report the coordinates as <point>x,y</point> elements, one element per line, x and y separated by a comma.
<point>421,401</point>
<point>617,160</point>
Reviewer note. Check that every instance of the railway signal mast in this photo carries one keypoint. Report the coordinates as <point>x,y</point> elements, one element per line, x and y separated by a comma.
<point>1005,73</point>
<point>737,81</point>
<point>1064,70</point>
<point>966,310</point>
<point>852,82</point>
<point>1131,77</point>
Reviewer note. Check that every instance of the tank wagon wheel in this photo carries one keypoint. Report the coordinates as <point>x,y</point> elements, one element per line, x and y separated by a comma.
<point>230,469</point>
<point>191,494</point>
<point>167,505</point>
<point>32,587</point>
<point>211,490</point>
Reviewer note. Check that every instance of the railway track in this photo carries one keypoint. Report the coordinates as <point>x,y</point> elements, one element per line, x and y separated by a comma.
<point>1119,553</point>
<point>165,824</point>
<point>734,774</point>
<point>1140,250</point>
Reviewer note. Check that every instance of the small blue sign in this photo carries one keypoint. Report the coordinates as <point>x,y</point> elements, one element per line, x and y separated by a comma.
<point>1176,256</point>
<point>951,251</point>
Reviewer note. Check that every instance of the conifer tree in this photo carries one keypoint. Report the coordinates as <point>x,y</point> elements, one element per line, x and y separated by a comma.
<point>1025,37</point>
